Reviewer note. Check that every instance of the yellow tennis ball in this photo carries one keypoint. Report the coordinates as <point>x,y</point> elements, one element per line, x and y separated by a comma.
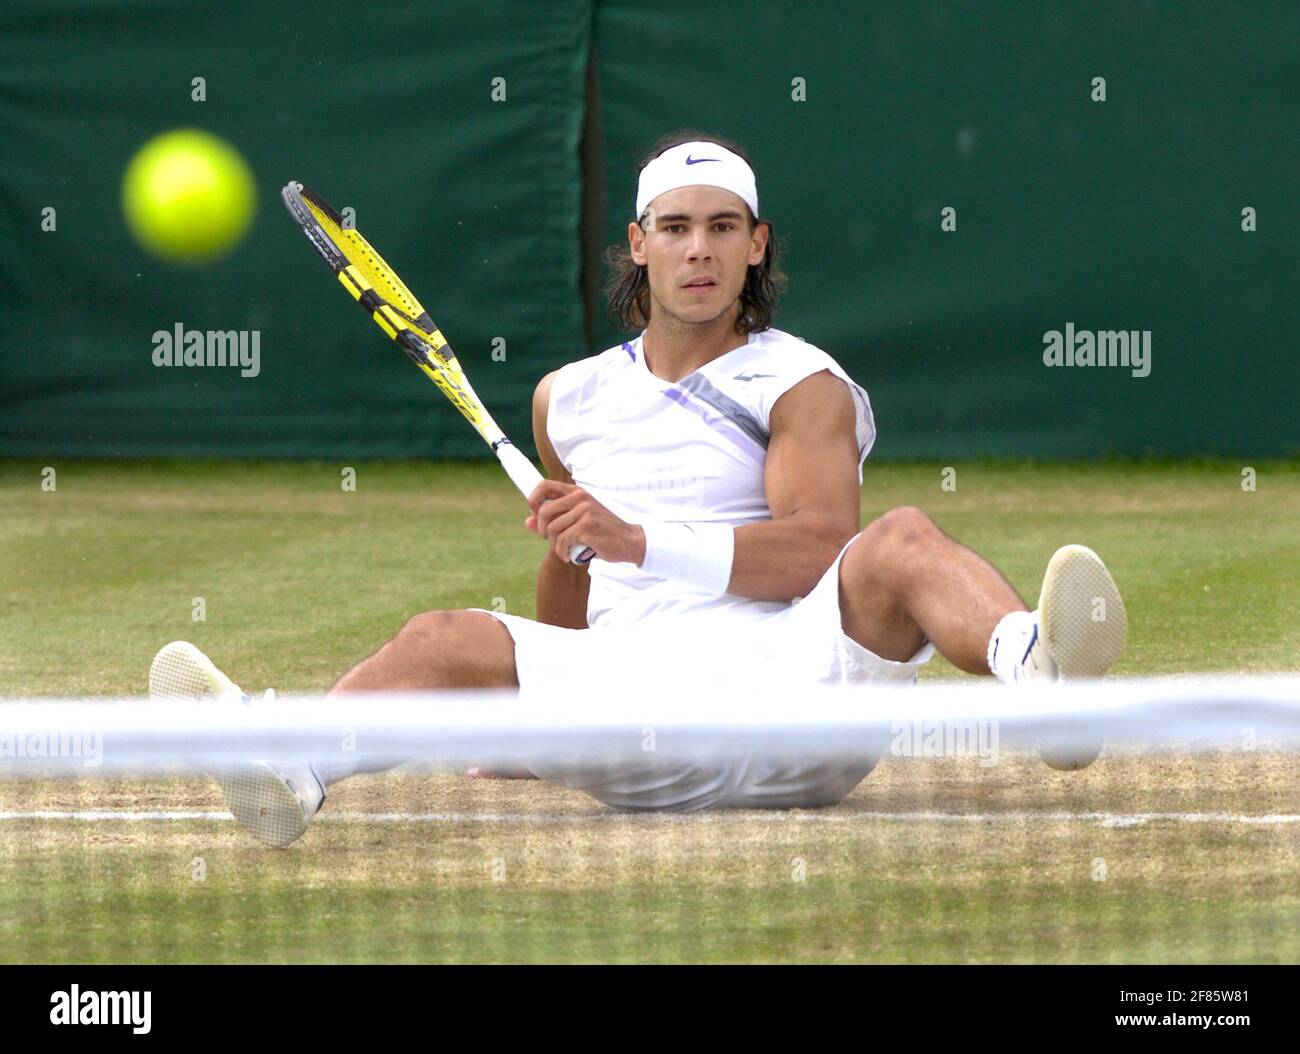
<point>188,196</point>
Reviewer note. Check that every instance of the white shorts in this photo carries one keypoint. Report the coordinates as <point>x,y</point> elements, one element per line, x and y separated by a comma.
<point>803,644</point>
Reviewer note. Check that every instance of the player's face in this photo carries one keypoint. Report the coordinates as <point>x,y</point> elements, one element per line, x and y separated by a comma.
<point>696,250</point>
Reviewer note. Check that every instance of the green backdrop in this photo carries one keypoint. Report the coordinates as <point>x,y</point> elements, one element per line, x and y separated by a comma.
<point>1123,214</point>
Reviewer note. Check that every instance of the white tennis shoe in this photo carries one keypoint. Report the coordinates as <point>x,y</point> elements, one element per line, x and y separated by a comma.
<point>1079,633</point>
<point>274,801</point>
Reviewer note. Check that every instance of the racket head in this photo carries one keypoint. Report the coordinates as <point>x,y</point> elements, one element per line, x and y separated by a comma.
<point>376,287</point>
<point>343,246</point>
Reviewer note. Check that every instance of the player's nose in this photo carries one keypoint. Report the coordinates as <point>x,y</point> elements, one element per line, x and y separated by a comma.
<point>698,249</point>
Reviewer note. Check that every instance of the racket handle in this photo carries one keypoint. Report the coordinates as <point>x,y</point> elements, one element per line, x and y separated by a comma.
<point>525,476</point>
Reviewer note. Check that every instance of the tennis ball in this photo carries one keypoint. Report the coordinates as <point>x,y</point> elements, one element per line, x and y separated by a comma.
<point>188,196</point>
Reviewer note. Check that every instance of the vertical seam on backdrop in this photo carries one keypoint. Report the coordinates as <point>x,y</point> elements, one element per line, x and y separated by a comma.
<point>591,206</point>
<point>567,105</point>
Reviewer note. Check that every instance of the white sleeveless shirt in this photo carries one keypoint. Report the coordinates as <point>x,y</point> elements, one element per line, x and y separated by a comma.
<point>688,451</point>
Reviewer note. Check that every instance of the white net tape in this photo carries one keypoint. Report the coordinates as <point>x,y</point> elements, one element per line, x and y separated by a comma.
<point>456,729</point>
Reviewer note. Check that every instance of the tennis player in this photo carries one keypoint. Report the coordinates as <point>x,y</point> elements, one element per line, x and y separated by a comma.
<point>714,464</point>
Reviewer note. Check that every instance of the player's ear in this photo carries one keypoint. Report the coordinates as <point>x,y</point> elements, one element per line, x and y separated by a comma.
<point>758,243</point>
<point>636,243</point>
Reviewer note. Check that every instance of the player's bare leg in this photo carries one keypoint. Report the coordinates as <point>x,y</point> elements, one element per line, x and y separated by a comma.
<point>438,649</point>
<point>904,581</point>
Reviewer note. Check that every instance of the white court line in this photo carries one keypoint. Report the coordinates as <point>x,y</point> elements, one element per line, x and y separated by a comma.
<point>1103,819</point>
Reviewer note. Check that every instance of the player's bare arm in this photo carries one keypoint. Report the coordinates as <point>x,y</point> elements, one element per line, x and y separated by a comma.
<point>562,586</point>
<point>811,481</point>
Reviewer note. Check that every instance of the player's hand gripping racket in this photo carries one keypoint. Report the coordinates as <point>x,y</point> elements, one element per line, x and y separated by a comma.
<point>376,287</point>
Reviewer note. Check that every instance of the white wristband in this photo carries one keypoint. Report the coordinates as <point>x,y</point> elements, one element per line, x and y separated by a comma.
<point>695,554</point>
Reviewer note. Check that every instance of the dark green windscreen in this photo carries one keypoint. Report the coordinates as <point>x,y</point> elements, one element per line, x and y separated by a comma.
<point>1116,215</point>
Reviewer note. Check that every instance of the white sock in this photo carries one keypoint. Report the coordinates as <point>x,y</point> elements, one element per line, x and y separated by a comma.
<point>331,771</point>
<point>1011,636</point>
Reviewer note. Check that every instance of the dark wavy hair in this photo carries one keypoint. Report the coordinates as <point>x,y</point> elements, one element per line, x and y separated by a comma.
<point>628,287</point>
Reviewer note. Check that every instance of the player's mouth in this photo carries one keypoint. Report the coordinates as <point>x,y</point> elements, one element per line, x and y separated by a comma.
<point>701,285</point>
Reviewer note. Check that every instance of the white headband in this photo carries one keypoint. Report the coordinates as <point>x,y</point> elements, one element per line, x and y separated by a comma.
<point>693,165</point>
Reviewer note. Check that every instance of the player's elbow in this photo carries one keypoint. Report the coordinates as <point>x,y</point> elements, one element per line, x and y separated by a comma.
<point>823,541</point>
<point>833,534</point>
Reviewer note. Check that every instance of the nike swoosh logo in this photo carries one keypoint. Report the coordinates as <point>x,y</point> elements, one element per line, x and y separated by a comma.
<point>752,376</point>
<point>696,160</point>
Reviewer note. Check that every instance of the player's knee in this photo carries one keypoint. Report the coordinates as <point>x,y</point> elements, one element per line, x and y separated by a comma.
<point>428,642</point>
<point>427,630</point>
<point>905,525</point>
<point>887,549</point>
<point>468,648</point>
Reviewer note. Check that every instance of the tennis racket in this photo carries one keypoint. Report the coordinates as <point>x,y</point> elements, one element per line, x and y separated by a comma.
<point>376,287</point>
